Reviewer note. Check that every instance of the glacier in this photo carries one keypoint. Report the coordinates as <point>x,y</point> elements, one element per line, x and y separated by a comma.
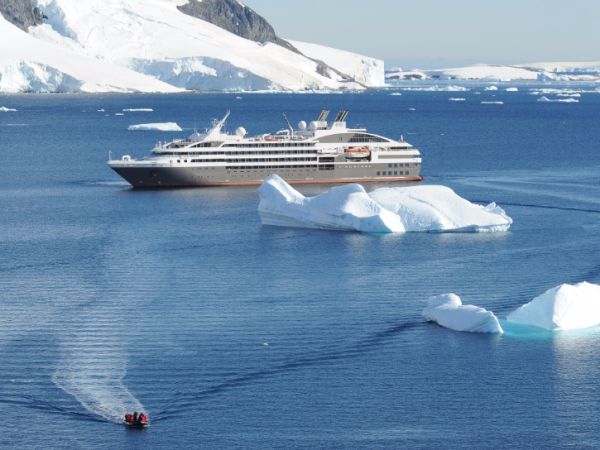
<point>448,311</point>
<point>30,65</point>
<point>167,126</point>
<point>387,210</point>
<point>565,307</point>
<point>151,46</point>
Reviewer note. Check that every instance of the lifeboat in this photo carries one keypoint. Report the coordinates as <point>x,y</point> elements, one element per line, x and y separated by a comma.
<point>356,152</point>
<point>137,424</point>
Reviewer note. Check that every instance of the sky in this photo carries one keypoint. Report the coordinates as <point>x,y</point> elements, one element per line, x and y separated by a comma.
<point>435,34</point>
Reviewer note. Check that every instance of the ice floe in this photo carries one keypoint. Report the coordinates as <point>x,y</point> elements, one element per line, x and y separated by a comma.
<point>457,99</point>
<point>5,109</point>
<point>138,110</point>
<point>492,103</point>
<point>448,311</point>
<point>437,88</point>
<point>565,307</point>
<point>389,210</point>
<point>396,93</point>
<point>168,126</point>
<point>513,89</point>
<point>563,100</point>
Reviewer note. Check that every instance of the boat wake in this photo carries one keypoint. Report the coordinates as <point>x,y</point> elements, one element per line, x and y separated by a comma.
<point>94,378</point>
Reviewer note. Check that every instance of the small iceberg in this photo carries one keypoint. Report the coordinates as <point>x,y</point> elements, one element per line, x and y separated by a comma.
<point>492,103</point>
<point>395,93</point>
<point>168,126</point>
<point>138,110</point>
<point>491,88</point>
<point>448,311</point>
<point>388,210</point>
<point>513,89</point>
<point>564,100</point>
<point>5,109</point>
<point>564,307</point>
<point>456,99</point>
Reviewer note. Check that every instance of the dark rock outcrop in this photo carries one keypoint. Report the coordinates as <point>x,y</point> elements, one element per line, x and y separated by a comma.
<point>235,18</point>
<point>21,13</point>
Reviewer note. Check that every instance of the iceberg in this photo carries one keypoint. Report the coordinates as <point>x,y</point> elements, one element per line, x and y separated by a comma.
<point>513,89</point>
<point>138,110</point>
<point>492,103</point>
<point>448,311</point>
<point>491,88</point>
<point>563,100</point>
<point>168,126</point>
<point>457,99</point>
<point>565,307</point>
<point>387,210</point>
<point>5,109</point>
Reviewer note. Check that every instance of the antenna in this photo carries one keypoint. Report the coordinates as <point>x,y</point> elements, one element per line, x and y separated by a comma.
<point>288,122</point>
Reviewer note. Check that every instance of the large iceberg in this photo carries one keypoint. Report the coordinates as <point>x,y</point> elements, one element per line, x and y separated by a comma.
<point>564,307</point>
<point>387,210</point>
<point>449,312</point>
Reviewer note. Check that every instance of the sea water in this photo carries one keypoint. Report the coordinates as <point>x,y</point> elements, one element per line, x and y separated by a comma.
<point>230,334</point>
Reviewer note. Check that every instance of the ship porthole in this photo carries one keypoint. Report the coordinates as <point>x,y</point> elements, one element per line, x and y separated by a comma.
<point>153,173</point>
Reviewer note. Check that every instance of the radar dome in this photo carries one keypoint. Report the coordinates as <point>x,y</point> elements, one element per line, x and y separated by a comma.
<point>313,126</point>
<point>241,132</point>
<point>302,125</point>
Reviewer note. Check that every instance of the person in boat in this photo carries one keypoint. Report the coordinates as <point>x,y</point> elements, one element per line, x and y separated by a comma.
<point>128,418</point>
<point>143,418</point>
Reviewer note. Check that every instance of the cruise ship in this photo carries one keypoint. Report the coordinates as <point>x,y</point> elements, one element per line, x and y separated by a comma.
<point>322,152</point>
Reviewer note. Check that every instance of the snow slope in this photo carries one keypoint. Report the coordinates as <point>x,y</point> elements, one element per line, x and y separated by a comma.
<point>154,38</point>
<point>564,307</point>
<point>365,70</point>
<point>565,67</point>
<point>483,72</point>
<point>388,210</point>
<point>27,64</point>
<point>448,311</point>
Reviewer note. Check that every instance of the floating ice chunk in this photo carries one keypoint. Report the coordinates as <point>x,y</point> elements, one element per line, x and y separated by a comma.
<point>513,89</point>
<point>564,307</point>
<point>396,93</point>
<point>100,110</point>
<point>119,114</point>
<point>492,103</point>
<point>457,99</point>
<point>491,88</point>
<point>449,312</point>
<point>168,126</point>
<point>5,109</point>
<point>139,110</point>
<point>564,100</point>
<point>388,210</point>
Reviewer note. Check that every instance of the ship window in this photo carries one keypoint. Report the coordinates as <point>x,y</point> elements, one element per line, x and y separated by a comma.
<point>213,168</point>
<point>389,165</point>
<point>378,173</point>
<point>396,173</point>
<point>178,160</point>
<point>396,165</point>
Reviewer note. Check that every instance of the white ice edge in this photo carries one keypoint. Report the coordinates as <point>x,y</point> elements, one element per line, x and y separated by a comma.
<point>168,126</point>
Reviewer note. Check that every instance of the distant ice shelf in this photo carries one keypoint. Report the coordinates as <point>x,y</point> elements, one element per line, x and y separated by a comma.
<point>448,311</point>
<point>168,126</point>
<point>387,210</point>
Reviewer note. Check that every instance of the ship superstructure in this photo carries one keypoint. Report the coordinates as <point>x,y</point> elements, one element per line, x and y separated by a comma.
<point>322,152</point>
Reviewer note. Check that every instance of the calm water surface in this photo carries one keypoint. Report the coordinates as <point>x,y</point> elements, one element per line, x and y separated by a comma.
<point>230,334</point>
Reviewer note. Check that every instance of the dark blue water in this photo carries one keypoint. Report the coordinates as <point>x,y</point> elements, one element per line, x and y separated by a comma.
<point>164,300</point>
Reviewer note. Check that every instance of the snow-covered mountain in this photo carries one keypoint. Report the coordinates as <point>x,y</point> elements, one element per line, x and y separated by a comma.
<point>152,45</point>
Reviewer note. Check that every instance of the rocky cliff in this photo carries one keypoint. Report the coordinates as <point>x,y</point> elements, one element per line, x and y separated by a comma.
<point>235,18</point>
<point>21,13</point>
